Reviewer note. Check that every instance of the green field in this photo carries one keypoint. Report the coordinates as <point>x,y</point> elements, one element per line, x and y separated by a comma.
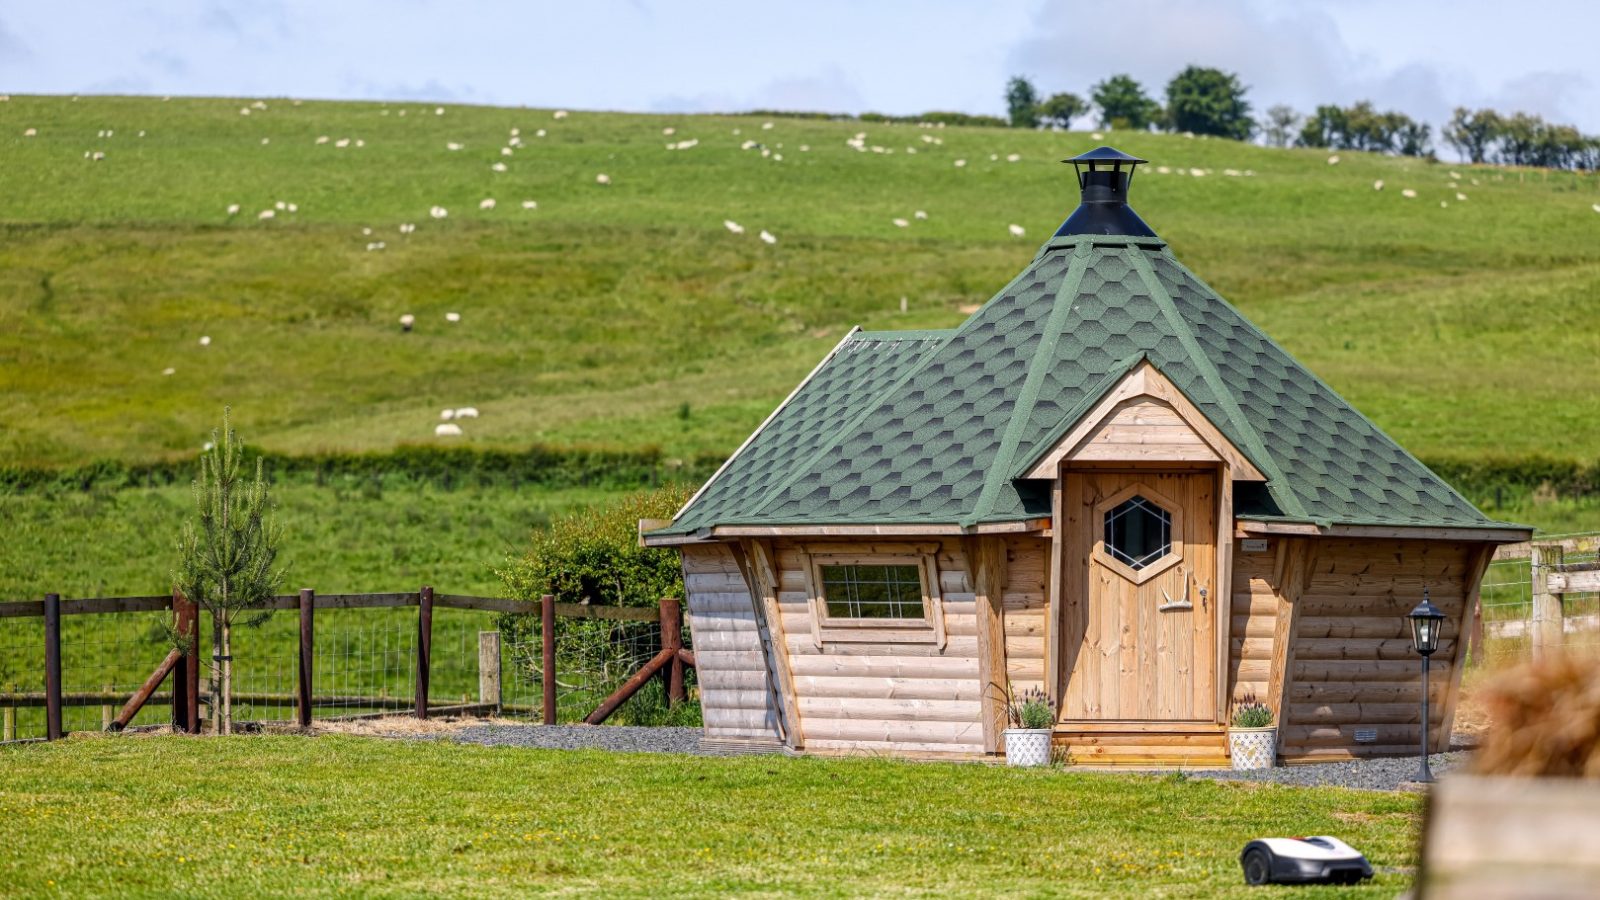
<point>325,816</point>
<point>626,313</point>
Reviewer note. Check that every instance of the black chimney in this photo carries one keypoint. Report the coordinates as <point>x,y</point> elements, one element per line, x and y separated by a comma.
<point>1104,175</point>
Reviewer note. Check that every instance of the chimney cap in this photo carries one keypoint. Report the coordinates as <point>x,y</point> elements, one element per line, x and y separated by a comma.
<point>1105,154</point>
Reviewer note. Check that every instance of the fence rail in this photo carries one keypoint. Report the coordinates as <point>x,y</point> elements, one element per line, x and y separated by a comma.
<point>1539,596</point>
<point>394,663</point>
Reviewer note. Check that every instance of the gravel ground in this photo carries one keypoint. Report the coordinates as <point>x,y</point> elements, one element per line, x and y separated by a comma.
<point>623,738</point>
<point>1366,774</point>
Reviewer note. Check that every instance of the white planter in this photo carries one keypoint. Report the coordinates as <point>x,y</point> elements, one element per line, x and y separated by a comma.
<point>1253,748</point>
<point>1028,746</point>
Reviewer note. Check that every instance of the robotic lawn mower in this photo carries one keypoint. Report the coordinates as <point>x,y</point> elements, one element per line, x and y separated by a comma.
<point>1307,860</point>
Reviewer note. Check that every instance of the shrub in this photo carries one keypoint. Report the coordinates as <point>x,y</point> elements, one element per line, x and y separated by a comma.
<point>1030,709</point>
<point>594,557</point>
<point>1251,713</point>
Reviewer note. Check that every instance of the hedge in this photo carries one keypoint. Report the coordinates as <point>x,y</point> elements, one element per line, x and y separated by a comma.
<point>538,465</point>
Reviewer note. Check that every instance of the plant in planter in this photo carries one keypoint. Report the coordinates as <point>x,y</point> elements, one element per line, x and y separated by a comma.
<point>1032,718</point>
<point>1252,738</point>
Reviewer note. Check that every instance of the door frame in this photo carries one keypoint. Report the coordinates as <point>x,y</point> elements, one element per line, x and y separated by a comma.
<point>1223,580</point>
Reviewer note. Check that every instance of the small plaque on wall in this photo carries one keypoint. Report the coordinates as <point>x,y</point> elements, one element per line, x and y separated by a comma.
<point>1255,545</point>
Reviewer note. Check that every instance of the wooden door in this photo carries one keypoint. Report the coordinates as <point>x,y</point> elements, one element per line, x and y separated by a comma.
<point>1138,626</point>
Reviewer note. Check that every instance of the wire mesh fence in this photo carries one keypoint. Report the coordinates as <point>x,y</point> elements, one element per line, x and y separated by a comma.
<point>1507,602</point>
<point>594,657</point>
<point>365,661</point>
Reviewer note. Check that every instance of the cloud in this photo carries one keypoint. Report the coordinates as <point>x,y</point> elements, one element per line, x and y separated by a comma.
<point>1288,53</point>
<point>829,91</point>
<point>12,48</point>
<point>432,91</point>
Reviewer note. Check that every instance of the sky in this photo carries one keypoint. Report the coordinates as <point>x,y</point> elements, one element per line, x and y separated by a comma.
<point>894,56</point>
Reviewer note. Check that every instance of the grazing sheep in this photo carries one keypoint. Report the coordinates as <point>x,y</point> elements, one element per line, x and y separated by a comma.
<point>1378,185</point>
<point>669,131</point>
<point>602,178</point>
<point>453,145</point>
<point>1460,196</point>
<point>407,321</point>
<point>452,317</point>
<point>266,214</point>
<point>438,111</point>
<point>1408,193</point>
<point>233,209</point>
<point>530,204</point>
<point>1013,157</point>
<point>1333,160</point>
<point>1016,230</point>
<point>438,212</point>
<point>961,163</point>
<point>733,226</point>
<point>498,167</point>
<point>467,412</point>
<point>322,139</point>
<point>486,203</point>
<point>920,214</point>
<point>31,132</point>
<point>447,429</point>
<point>169,371</point>
<point>205,340</point>
<point>559,114</point>
<point>900,223</point>
<point>447,414</point>
<point>767,237</point>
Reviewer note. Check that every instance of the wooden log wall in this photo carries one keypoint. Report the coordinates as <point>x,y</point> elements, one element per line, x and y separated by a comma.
<point>735,700</point>
<point>1349,664</point>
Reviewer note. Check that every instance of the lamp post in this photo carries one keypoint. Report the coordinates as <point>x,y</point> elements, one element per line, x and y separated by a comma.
<point>1426,621</point>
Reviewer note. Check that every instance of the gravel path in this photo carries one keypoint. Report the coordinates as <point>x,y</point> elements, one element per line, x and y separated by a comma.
<point>1367,774</point>
<point>622,738</point>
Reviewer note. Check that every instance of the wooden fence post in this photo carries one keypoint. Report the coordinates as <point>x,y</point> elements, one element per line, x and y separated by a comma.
<point>672,639</point>
<point>1547,627</point>
<point>308,603</point>
<point>52,666</point>
<point>547,661</point>
<point>8,722</point>
<point>424,648</point>
<point>183,630</point>
<point>489,668</point>
<point>106,712</point>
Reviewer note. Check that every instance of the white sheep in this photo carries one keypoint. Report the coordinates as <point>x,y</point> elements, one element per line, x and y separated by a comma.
<point>1016,230</point>
<point>447,414</point>
<point>452,317</point>
<point>602,178</point>
<point>900,223</point>
<point>407,321</point>
<point>447,429</point>
<point>530,204</point>
<point>768,237</point>
<point>438,212</point>
<point>733,226</point>
<point>233,209</point>
<point>486,203</point>
<point>467,412</point>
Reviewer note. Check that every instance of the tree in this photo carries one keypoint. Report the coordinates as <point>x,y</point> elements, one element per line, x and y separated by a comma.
<point>1060,109</point>
<point>1208,101</point>
<point>1124,104</point>
<point>1279,125</point>
<point>1022,103</point>
<point>225,557</point>
<point>1473,134</point>
<point>1326,127</point>
<point>1412,138</point>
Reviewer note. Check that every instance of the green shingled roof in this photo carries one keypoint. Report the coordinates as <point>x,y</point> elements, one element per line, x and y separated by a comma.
<point>934,427</point>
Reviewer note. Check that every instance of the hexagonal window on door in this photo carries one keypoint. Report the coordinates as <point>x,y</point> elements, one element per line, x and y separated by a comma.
<point>1138,532</point>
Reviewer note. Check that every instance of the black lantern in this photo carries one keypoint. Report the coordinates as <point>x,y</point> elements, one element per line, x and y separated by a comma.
<point>1426,620</point>
<point>1426,623</point>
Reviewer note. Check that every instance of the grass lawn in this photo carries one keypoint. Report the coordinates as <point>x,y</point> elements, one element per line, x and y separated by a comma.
<point>277,815</point>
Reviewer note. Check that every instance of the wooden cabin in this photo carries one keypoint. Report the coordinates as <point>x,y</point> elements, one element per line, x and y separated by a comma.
<point>1106,483</point>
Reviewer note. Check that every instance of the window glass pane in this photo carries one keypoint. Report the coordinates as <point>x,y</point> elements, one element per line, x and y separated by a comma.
<point>872,592</point>
<point>1138,532</point>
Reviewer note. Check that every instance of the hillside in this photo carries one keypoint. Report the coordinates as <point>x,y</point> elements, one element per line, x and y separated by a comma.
<point>627,314</point>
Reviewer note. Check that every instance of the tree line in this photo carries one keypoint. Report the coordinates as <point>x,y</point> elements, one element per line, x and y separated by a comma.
<point>1210,101</point>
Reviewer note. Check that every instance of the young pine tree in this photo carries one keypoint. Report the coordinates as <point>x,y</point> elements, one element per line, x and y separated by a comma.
<point>225,557</point>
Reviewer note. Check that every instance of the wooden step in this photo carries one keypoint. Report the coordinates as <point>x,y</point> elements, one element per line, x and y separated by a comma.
<point>1143,749</point>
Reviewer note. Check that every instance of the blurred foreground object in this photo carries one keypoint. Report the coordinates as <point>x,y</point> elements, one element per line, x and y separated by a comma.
<point>1527,822</point>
